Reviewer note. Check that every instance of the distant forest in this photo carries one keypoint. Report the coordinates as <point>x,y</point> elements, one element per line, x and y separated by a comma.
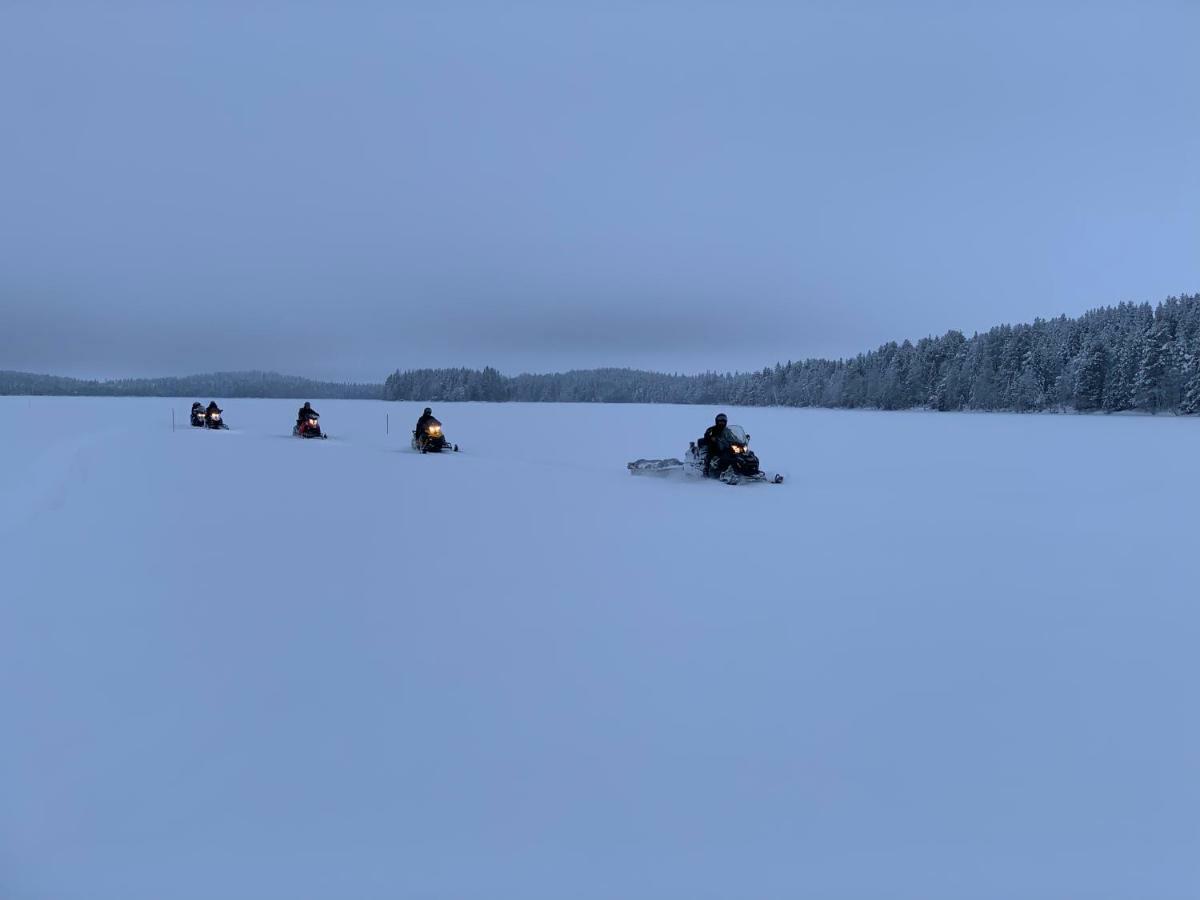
<point>1126,357</point>
<point>216,384</point>
<point>1118,358</point>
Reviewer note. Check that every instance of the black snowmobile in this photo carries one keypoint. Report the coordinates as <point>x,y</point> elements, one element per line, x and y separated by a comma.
<point>309,426</point>
<point>199,416</point>
<point>431,438</point>
<point>212,417</point>
<point>741,465</point>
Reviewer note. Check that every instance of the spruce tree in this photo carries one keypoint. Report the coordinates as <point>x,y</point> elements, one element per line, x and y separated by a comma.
<point>1089,383</point>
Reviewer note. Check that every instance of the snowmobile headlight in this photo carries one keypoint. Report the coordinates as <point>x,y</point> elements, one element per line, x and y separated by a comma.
<point>435,430</point>
<point>737,448</point>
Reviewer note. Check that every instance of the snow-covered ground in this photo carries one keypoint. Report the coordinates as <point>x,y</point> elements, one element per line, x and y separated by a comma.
<point>955,656</point>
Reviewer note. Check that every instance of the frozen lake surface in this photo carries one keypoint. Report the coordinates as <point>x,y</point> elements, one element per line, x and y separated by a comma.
<point>954,656</point>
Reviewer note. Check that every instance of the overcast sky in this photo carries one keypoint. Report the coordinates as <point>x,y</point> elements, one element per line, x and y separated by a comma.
<point>340,189</point>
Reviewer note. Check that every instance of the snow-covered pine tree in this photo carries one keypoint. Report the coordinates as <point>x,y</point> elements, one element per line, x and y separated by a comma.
<point>1089,383</point>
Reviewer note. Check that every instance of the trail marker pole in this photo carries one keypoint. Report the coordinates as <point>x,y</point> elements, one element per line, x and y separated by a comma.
<point>387,423</point>
<point>172,420</point>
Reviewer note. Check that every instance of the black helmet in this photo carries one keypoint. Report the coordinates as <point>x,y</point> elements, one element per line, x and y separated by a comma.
<point>429,410</point>
<point>197,405</point>
<point>721,417</point>
<point>307,405</point>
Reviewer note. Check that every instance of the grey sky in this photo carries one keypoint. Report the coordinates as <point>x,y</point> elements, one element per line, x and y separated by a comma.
<point>344,188</point>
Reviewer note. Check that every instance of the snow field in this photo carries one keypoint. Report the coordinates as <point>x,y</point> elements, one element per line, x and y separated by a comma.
<point>954,655</point>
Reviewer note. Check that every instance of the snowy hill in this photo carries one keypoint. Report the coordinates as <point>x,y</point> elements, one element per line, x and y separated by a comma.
<point>954,656</point>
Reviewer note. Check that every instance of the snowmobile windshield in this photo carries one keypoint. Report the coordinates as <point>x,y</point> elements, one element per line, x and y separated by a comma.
<point>738,435</point>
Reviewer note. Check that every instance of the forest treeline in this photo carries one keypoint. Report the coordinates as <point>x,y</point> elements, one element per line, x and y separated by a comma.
<point>216,384</point>
<point>1117,358</point>
<point>1126,357</point>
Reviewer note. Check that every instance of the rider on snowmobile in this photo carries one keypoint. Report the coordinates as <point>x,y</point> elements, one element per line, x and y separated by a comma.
<point>197,413</point>
<point>305,411</point>
<point>212,416</point>
<point>425,421</point>
<point>717,440</point>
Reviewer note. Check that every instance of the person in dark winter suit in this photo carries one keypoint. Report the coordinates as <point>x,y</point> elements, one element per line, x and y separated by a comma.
<point>305,411</point>
<point>213,415</point>
<point>717,440</point>
<point>425,421</point>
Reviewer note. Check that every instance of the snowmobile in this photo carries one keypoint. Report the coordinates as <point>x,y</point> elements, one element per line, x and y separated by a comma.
<point>742,464</point>
<point>212,419</point>
<point>309,427</point>
<point>199,416</point>
<point>431,439</point>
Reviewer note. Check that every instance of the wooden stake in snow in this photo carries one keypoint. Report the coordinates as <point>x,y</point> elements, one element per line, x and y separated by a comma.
<point>172,419</point>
